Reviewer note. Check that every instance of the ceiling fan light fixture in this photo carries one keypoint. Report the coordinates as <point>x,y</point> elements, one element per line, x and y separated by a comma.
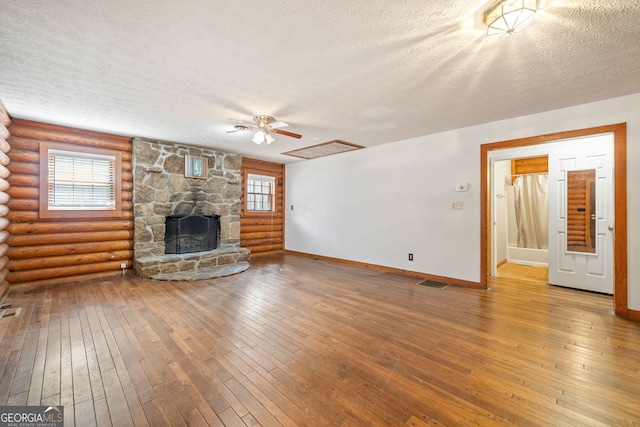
<point>259,137</point>
<point>269,138</point>
<point>509,16</point>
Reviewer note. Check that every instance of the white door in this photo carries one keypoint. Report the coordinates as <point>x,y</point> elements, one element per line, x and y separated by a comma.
<point>589,270</point>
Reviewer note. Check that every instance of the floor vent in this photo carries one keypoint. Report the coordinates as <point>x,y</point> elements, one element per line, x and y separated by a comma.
<point>10,312</point>
<point>433,284</point>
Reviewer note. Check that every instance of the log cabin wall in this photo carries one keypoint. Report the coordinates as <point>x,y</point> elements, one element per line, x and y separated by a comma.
<point>5,124</point>
<point>263,231</point>
<point>58,249</point>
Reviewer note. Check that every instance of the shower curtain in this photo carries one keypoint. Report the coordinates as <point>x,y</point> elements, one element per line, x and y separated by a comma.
<point>531,203</point>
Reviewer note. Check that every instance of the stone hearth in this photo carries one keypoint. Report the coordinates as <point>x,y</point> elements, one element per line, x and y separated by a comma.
<point>161,189</point>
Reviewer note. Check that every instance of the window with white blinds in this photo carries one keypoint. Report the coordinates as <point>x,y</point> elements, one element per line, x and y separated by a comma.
<point>260,193</point>
<point>81,180</point>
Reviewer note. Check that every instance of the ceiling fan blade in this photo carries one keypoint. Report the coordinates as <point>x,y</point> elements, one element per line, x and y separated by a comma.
<point>286,133</point>
<point>278,124</point>
<point>238,128</point>
<point>242,123</point>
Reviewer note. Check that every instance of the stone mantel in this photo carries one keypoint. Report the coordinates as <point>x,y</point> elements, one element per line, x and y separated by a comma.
<point>160,189</point>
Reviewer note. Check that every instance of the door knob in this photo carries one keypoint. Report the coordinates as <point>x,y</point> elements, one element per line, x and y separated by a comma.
<point>611,227</point>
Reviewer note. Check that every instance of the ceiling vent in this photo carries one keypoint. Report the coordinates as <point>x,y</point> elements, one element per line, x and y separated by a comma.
<point>325,149</point>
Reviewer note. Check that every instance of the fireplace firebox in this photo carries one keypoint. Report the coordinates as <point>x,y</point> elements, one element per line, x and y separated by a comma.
<point>191,233</point>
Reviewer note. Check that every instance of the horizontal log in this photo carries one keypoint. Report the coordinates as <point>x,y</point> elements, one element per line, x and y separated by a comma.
<point>22,204</point>
<point>126,195</point>
<point>275,171</point>
<point>4,261</point>
<point>24,168</point>
<point>4,159</point>
<point>78,237</point>
<point>19,192</point>
<point>4,235</point>
<point>27,144</point>
<point>261,219</point>
<point>4,223</point>
<point>45,132</point>
<point>67,272</point>
<point>259,242</point>
<point>66,129</point>
<point>25,156</point>
<point>3,250</point>
<point>4,185</point>
<point>4,172</point>
<point>265,248</point>
<point>68,260</point>
<point>261,228</point>
<point>4,272</point>
<point>4,210</point>
<point>34,216</point>
<point>260,235</point>
<point>23,180</point>
<point>68,226</point>
<point>25,252</point>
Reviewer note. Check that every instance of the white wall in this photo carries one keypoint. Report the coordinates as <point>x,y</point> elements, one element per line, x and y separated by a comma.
<point>502,170</point>
<point>378,204</point>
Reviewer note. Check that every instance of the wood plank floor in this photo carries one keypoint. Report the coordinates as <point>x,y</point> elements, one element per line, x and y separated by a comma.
<point>524,272</point>
<point>295,341</point>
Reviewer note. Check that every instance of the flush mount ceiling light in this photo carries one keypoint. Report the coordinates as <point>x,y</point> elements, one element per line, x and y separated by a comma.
<point>509,16</point>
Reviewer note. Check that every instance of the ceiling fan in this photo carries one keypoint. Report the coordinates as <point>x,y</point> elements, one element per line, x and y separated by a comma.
<point>264,127</point>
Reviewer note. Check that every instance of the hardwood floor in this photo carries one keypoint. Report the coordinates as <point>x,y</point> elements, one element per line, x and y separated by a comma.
<point>295,341</point>
<point>538,274</point>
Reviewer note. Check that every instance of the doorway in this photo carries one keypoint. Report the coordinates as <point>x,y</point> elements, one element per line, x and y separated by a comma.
<point>620,200</point>
<point>520,211</point>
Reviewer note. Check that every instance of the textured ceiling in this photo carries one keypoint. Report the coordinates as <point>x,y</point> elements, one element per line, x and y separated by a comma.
<point>364,72</point>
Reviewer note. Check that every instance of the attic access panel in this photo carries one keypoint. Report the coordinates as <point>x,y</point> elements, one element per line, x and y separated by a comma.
<point>325,149</point>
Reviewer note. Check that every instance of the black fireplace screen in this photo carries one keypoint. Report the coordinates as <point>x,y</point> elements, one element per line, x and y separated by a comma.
<point>191,233</point>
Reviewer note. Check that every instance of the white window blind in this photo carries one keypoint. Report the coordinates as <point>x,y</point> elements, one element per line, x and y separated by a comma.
<point>81,181</point>
<point>260,193</point>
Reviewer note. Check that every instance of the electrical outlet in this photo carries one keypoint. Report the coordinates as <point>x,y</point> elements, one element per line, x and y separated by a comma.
<point>456,205</point>
<point>410,257</point>
<point>123,265</point>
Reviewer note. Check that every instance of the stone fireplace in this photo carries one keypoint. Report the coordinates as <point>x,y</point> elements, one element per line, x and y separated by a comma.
<point>162,191</point>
